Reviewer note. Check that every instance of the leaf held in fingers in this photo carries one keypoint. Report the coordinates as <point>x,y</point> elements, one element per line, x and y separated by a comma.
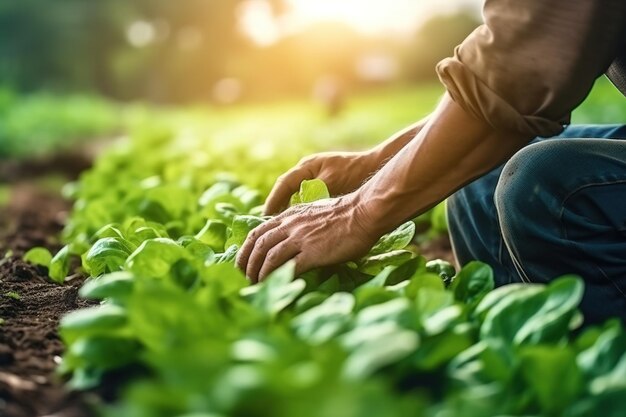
<point>310,191</point>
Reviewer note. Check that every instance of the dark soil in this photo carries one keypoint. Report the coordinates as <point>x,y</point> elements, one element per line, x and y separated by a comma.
<point>69,164</point>
<point>438,248</point>
<point>31,306</point>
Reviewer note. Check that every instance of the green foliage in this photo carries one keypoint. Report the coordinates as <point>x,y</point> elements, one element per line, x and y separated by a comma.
<point>39,124</point>
<point>372,331</point>
<point>158,222</point>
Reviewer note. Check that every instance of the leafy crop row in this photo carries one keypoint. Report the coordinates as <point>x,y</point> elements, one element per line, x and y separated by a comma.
<point>157,223</point>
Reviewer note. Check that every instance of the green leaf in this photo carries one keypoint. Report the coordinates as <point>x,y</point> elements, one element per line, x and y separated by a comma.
<point>430,301</point>
<point>472,282</point>
<point>224,279</point>
<point>369,296</point>
<point>442,320</point>
<point>396,310</point>
<point>60,265</point>
<point>425,281</point>
<point>603,356</point>
<point>326,320</point>
<point>501,293</point>
<point>107,255</point>
<point>278,290</point>
<point>116,286</point>
<point>228,256</point>
<point>374,265</point>
<point>533,315</point>
<point>249,197</point>
<point>437,350</point>
<point>380,280</point>
<point>198,250</point>
<point>310,191</point>
<point>242,225</point>
<point>213,234</point>
<point>605,404</point>
<point>309,300</point>
<point>370,357</point>
<point>398,239</point>
<point>442,268</point>
<point>38,256</point>
<point>217,190</point>
<point>104,352</point>
<point>101,320</point>
<point>155,257</point>
<point>552,376</point>
<point>110,230</point>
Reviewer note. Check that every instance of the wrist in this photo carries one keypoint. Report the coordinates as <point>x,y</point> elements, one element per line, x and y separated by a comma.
<point>371,211</point>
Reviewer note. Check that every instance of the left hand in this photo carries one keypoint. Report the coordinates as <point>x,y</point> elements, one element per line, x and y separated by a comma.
<point>322,233</point>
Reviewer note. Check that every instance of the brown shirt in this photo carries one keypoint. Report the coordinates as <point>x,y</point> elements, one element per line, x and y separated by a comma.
<point>533,61</point>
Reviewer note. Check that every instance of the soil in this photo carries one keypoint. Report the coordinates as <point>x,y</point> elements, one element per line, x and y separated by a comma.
<point>31,306</point>
<point>438,248</point>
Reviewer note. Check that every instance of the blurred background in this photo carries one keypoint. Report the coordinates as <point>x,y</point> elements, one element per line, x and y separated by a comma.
<point>225,50</point>
<point>74,69</point>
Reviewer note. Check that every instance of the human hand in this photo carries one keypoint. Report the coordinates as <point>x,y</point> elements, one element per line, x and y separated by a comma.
<point>322,233</point>
<point>343,172</point>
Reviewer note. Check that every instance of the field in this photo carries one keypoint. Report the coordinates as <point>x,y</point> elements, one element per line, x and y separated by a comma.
<point>126,291</point>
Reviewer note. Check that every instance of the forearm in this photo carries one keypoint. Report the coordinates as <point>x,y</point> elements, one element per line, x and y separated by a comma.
<point>397,141</point>
<point>449,151</point>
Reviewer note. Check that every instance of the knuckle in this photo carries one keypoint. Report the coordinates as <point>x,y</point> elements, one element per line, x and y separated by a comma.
<point>271,256</point>
<point>306,160</point>
<point>262,241</point>
<point>254,234</point>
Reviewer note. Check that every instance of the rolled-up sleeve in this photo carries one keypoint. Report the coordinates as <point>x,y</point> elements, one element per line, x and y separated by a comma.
<point>532,62</point>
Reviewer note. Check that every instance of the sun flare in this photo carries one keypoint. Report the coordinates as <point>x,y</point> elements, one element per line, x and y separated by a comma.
<point>370,16</point>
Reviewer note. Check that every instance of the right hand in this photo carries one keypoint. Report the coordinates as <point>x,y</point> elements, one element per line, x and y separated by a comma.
<point>343,172</point>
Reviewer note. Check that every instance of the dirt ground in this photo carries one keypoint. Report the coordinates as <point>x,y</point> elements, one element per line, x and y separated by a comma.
<point>30,304</point>
<point>31,307</point>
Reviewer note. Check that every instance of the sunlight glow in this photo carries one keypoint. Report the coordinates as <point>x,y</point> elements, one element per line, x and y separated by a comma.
<point>257,22</point>
<point>374,16</point>
<point>370,17</point>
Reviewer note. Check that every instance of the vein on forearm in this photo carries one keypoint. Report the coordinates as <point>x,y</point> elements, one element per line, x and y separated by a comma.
<point>451,150</point>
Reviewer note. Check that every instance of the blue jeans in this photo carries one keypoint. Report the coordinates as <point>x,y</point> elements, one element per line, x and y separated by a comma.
<point>557,207</point>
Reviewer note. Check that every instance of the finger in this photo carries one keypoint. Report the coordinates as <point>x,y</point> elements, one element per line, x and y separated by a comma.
<point>248,245</point>
<point>262,246</point>
<point>277,257</point>
<point>286,185</point>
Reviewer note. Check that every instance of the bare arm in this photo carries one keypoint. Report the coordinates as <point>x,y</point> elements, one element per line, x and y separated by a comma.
<point>398,140</point>
<point>451,150</point>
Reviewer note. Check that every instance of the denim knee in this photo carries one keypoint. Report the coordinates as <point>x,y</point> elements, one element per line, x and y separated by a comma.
<point>528,201</point>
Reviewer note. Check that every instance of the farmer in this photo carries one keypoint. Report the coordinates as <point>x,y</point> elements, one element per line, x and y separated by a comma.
<point>556,206</point>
